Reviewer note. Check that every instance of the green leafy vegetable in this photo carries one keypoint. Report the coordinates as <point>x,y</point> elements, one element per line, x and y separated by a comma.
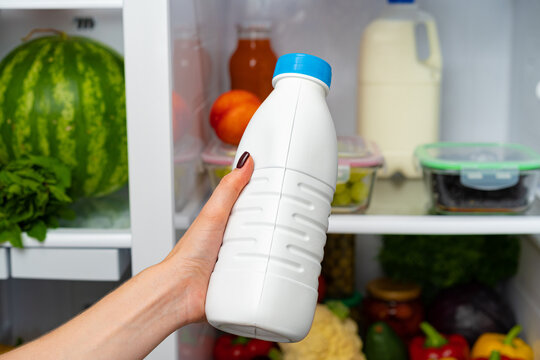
<point>32,197</point>
<point>439,262</point>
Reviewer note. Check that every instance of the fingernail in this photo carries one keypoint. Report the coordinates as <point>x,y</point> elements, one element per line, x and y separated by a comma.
<point>242,160</point>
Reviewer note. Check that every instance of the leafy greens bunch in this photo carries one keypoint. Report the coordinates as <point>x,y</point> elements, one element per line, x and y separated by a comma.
<point>33,196</point>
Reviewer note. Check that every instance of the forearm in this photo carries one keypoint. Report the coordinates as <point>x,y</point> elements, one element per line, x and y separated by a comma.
<point>126,324</point>
<point>129,322</point>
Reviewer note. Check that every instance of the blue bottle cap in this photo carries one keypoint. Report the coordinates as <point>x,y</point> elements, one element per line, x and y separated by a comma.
<point>304,64</point>
<point>400,1</point>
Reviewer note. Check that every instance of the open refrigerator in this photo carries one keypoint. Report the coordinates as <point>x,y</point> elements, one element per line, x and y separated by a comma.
<point>490,92</point>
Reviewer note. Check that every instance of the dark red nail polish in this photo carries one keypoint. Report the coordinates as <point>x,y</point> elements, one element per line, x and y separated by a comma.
<point>242,160</point>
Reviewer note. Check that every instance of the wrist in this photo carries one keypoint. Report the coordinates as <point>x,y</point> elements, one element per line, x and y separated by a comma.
<point>170,293</point>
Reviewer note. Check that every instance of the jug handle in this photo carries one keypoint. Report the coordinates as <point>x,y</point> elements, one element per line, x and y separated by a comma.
<point>434,60</point>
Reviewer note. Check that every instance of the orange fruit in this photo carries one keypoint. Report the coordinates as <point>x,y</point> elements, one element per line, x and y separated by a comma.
<point>232,124</point>
<point>229,100</point>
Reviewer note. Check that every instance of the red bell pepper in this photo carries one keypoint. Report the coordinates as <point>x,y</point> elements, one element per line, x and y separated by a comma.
<point>230,347</point>
<point>436,346</point>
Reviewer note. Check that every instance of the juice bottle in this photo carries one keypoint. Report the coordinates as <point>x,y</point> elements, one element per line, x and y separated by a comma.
<point>252,64</point>
<point>398,93</point>
<point>264,284</point>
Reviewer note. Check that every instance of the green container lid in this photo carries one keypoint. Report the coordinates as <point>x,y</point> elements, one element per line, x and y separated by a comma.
<point>488,156</point>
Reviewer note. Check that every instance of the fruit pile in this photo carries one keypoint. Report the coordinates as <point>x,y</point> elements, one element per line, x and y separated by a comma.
<point>229,117</point>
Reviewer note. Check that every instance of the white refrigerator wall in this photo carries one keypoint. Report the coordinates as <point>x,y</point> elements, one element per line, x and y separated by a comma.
<point>15,24</point>
<point>524,120</point>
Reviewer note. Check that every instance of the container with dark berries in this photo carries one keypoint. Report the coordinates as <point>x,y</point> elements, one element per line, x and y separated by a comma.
<point>479,178</point>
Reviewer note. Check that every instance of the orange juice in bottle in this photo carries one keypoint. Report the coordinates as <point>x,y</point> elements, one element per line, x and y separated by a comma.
<point>252,64</point>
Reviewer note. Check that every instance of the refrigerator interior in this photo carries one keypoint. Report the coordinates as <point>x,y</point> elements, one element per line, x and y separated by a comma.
<point>490,92</point>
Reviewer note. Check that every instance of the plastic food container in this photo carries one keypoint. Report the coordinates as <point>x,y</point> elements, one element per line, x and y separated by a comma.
<point>481,178</point>
<point>359,161</point>
<point>358,164</point>
<point>186,170</point>
<point>217,159</point>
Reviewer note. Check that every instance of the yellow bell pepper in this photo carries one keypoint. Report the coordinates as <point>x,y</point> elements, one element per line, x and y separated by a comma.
<point>507,345</point>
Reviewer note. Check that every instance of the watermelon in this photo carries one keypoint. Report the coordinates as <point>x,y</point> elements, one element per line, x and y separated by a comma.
<point>64,97</point>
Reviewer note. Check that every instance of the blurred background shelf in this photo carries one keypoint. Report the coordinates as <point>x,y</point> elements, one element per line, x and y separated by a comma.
<point>402,208</point>
<point>61,4</point>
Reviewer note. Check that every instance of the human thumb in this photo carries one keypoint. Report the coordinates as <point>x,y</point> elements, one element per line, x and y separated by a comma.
<point>214,215</point>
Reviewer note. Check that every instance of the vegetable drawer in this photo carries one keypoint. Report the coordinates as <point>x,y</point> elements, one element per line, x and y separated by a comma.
<point>69,264</point>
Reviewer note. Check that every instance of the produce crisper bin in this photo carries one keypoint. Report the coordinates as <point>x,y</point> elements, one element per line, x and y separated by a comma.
<point>358,163</point>
<point>481,178</point>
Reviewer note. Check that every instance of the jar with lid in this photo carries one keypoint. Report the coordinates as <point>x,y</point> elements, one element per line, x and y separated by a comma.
<point>396,303</point>
<point>338,266</point>
<point>252,64</point>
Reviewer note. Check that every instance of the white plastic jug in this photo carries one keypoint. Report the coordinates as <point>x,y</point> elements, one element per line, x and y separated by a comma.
<point>264,284</point>
<point>398,94</point>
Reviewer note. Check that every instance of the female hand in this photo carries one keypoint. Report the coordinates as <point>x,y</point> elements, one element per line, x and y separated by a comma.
<point>194,256</point>
<point>132,320</point>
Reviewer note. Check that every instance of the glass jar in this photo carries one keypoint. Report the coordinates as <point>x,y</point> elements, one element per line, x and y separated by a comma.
<point>252,64</point>
<point>338,266</point>
<point>396,303</point>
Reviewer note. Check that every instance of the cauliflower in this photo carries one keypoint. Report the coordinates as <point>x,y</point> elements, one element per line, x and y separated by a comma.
<point>329,338</point>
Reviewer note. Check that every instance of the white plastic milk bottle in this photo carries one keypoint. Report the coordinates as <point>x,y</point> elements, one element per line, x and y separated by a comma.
<point>264,284</point>
<point>398,94</point>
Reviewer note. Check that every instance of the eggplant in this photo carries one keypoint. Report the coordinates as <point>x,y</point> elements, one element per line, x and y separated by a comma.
<point>470,310</point>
